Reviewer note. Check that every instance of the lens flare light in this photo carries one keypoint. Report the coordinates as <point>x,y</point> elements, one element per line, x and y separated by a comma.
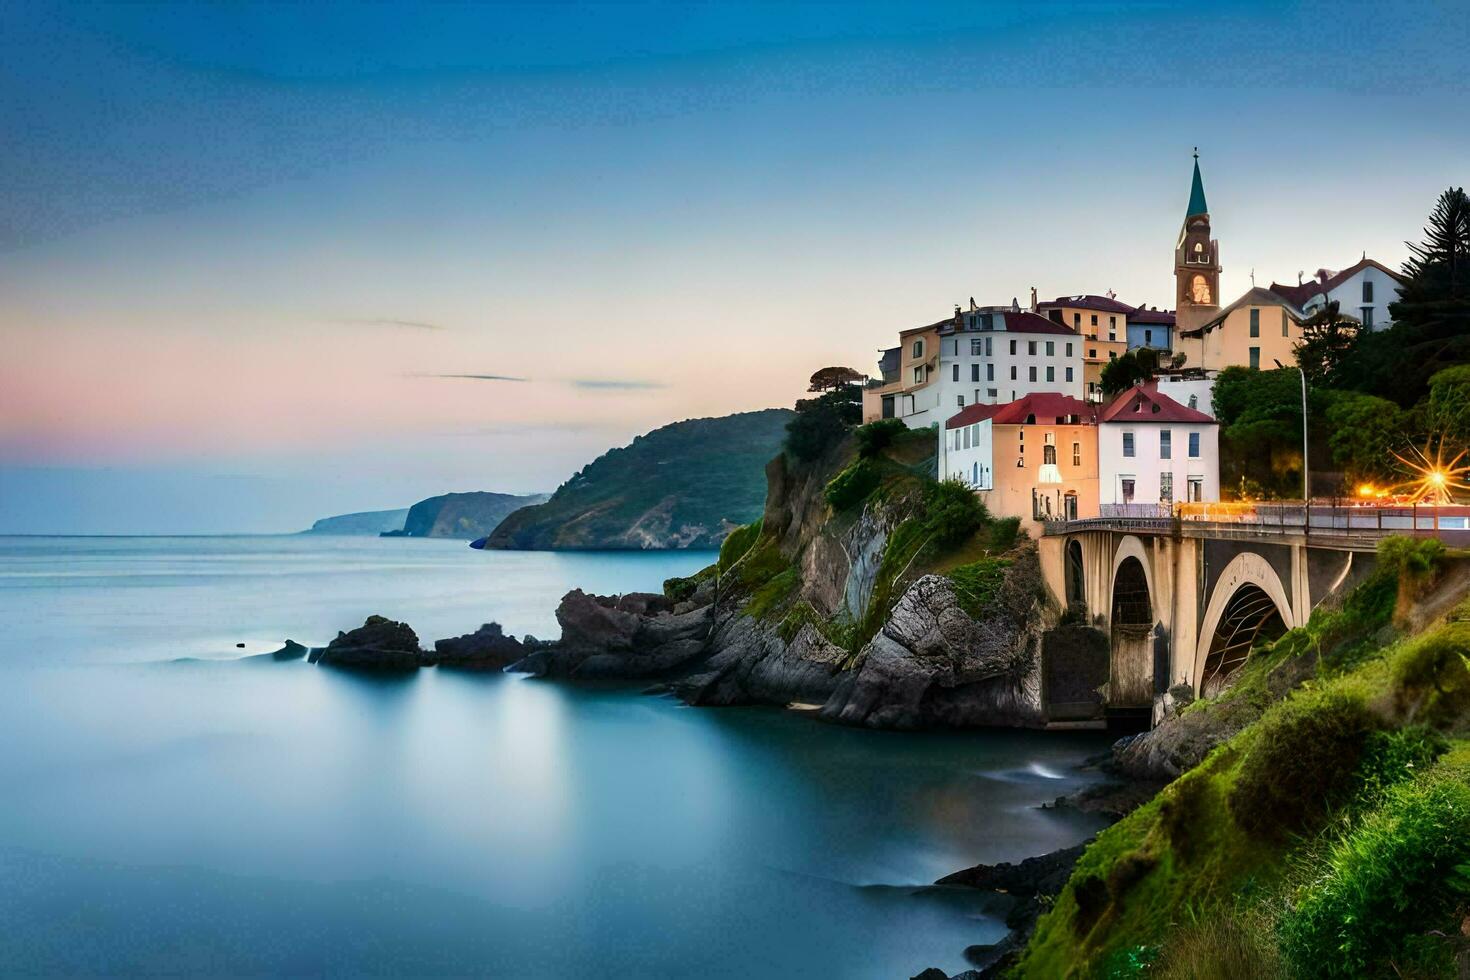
<point>1433,478</point>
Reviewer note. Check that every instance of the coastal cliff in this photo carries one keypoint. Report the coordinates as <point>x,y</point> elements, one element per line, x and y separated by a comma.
<point>684,485</point>
<point>463,515</point>
<point>865,588</point>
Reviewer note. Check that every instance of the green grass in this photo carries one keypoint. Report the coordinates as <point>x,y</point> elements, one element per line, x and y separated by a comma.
<point>1336,826</point>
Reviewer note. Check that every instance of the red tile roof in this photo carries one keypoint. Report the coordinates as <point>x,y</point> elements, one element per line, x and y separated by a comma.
<point>1145,403</point>
<point>1299,295</point>
<point>1047,408</point>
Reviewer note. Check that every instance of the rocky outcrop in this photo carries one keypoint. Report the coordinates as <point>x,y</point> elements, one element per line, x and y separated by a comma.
<point>487,648</point>
<point>378,644</point>
<point>932,665</point>
<point>290,650</point>
<point>638,635</point>
<point>752,665</point>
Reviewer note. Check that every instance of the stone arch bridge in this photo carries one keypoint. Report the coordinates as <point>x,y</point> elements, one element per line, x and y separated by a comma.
<point>1182,602</point>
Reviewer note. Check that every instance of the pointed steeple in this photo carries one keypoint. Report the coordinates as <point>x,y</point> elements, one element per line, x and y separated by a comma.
<point>1197,192</point>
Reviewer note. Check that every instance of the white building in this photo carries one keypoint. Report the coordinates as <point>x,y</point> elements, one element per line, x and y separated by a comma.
<point>996,355</point>
<point>1191,392</point>
<point>1362,291</point>
<point>966,452</point>
<point>1153,450</point>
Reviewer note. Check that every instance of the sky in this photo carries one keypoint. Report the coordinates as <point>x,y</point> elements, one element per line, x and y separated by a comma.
<point>264,263</point>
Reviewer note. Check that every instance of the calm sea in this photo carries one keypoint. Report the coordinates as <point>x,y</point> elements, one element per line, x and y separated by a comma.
<point>173,803</point>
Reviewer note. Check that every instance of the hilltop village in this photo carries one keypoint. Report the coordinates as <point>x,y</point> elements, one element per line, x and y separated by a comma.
<point>1020,399</point>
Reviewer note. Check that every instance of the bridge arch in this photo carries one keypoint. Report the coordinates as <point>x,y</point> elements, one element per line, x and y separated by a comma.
<point>1249,603</point>
<point>1076,574</point>
<point>1132,614</point>
<point>1131,547</point>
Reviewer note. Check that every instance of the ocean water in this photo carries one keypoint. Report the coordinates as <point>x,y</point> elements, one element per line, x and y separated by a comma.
<point>174,803</point>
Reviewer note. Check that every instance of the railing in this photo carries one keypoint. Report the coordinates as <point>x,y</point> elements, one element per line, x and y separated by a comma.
<point>1449,522</point>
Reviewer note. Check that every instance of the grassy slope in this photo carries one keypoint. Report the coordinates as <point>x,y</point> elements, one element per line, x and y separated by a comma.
<point>1228,860</point>
<point>709,470</point>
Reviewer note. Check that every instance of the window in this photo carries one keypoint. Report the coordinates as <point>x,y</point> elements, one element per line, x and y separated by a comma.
<point>976,348</point>
<point>1166,488</point>
<point>1196,489</point>
<point>1148,338</point>
<point>974,474</point>
<point>1194,445</point>
<point>1033,374</point>
<point>1069,348</point>
<point>1255,358</point>
<point>990,372</point>
<point>918,375</point>
<point>1283,321</point>
<point>1031,347</point>
<point>1049,455</point>
<point>1051,373</point>
<point>987,346</point>
<point>1127,444</point>
<point>1069,374</point>
<point>992,394</point>
<point>1013,372</point>
<point>956,373</point>
<point>1367,317</point>
<point>1256,322</point>
<point>955,347</point>
<point>960,400</point>
<point>1013,347</point>
<point>967,437</point>
<point>1112,323</point>
<point>1077,320</point>
<point>1051,348</point>
<point>1166,444</point>
<point>1112,355</point>
<point>1076,454</point>
<point>1092,352</point>
<point>974,372</point>
<point>918,349</point>
<point>1367,290</point>
<point>1094,320</point>
<point>1127,486</point>
<point>1198,255</point>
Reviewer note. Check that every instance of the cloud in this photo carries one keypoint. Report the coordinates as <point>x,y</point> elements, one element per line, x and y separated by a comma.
<point>472,377</point>
<point>389,322</point>
<point>614,384</point>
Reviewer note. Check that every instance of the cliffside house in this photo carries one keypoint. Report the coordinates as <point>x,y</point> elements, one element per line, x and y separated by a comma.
<point>1362,291</point>
<point>1153,451</point>
<point>907,371</point>
<point>1034,458</point>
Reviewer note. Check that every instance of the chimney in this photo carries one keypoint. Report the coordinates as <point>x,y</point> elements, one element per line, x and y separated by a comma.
<point>973,307</point>
<point>1015,305</point>
<point>1033,299</point>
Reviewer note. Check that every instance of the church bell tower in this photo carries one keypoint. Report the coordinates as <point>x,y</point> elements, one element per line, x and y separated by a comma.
<point>1196,262</point>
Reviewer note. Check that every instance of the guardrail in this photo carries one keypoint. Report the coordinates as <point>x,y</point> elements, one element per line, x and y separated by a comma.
<point>1326,522</point>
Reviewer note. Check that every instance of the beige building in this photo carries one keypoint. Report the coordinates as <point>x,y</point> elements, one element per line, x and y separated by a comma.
<point>905,390</point>
<point>1102,322</point>
<point>1255,331</point>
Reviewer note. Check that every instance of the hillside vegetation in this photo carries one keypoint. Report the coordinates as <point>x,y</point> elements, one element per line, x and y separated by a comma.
<point>684,485</point>
<point>1330,837</point>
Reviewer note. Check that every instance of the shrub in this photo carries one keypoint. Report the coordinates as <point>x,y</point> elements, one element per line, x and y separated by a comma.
<point>952,513</point>
<point>1303,759</point>
<point>1003,533</point>
<point>1431,678</point>
<point>1414,555</point>
<point>737,543</point>
<point>1383,885</point>
<point>853,485</point>
<point>821,423</point>
<point>877,436</point>
<point>1390,757</point>
<point>679,589</point>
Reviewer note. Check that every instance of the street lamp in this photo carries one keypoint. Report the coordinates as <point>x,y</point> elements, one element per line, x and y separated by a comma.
<point>1306,480</point>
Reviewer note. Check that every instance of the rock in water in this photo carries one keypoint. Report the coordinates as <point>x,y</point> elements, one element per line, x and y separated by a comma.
<point>291,651</point>
<point>378,644</point>
<point>636,635</point>
<point>487,648</point>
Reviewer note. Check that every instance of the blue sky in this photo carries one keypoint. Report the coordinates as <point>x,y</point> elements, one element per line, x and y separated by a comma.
<point>243,248</point>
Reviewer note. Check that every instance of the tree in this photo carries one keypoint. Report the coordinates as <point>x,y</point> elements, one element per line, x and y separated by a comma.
<point>1363,432</point>
<point>1327,339</point>
<point>829,378</point>
<point>1448,411</point>
<point>1139,364</point>
<point>1260,416</point>
<point>1431,329</point>
<point>822,422</point>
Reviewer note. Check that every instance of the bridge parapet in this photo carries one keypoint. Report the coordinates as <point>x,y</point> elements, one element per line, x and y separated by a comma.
<point>1349,527</point>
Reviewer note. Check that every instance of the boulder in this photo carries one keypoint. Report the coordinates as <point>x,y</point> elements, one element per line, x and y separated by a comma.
<point>487,648</point>
<point>378,644</point>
